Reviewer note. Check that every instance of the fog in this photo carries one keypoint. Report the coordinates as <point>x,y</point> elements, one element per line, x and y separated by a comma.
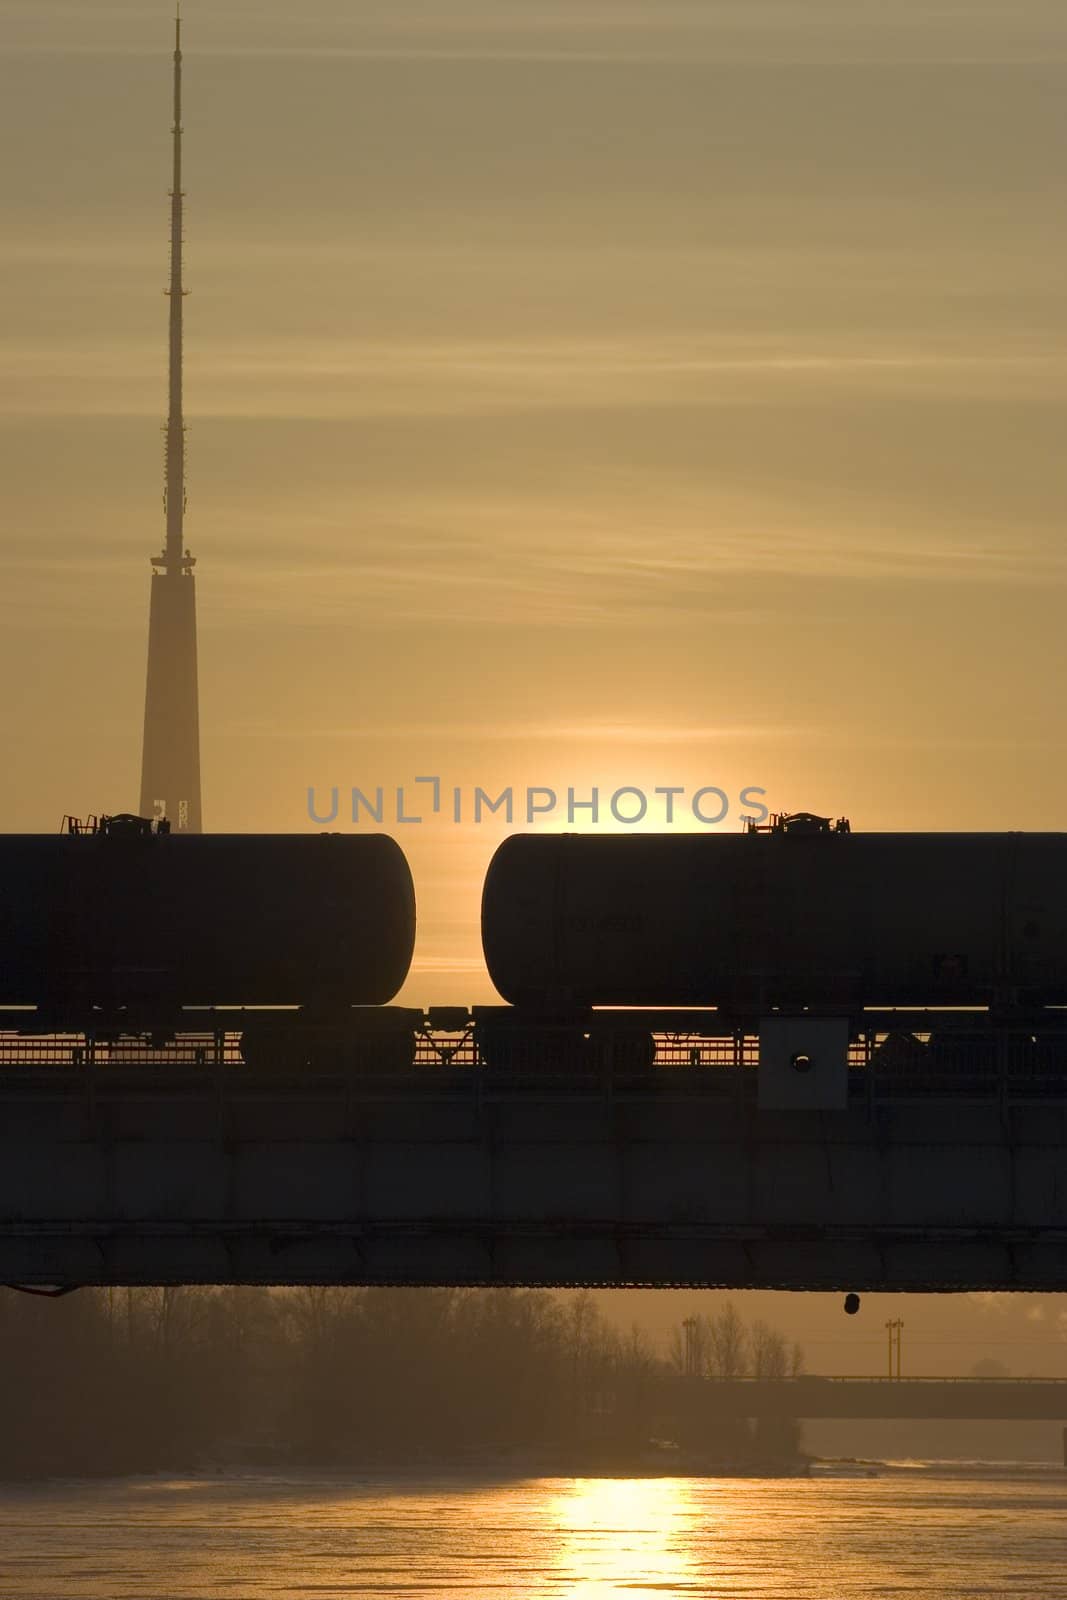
<point>103,1382</point>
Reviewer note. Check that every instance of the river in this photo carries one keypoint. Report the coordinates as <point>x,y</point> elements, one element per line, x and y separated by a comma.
<point>928,1530</point>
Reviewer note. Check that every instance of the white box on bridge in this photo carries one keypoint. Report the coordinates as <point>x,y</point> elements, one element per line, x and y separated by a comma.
<point>803,1063</point>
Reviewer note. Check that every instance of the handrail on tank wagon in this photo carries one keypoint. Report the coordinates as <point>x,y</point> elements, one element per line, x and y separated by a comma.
<point>801,822</point>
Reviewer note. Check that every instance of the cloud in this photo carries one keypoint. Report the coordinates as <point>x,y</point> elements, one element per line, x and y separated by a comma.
<point>341,378</point>
<point>639,556</point>
<point>641,560</point>
<point>586,30</point>
<point>524,732</point>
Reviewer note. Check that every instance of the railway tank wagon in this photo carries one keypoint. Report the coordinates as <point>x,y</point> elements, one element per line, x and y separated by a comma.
<point>125,917</point>
<point>797,916</point>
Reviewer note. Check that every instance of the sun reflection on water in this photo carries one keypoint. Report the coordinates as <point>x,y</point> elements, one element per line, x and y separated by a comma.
<point>625,1536</point>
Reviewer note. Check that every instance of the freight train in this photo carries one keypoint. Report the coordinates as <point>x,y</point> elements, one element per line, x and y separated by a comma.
<point>601,945</point>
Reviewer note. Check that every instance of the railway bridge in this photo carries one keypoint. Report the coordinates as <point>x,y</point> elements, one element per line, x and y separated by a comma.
<point>124,1161</point>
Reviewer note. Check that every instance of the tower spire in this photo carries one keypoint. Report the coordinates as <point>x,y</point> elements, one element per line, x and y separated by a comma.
<point>175,557</point>
<point>170,761</point>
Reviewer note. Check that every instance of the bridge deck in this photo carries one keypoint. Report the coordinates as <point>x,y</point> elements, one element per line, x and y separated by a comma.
<point>958,1399</point>
<point>199,1169</point>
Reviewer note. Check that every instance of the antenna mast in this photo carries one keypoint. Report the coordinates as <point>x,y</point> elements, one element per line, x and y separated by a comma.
<point>175,557</point>
<point>170,760</point>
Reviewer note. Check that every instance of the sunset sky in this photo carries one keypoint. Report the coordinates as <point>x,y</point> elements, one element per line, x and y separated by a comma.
<point>580,392</point>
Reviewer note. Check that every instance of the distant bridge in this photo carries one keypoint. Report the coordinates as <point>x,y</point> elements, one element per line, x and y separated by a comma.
<point>122,1164</point>
<point>955,1399</point>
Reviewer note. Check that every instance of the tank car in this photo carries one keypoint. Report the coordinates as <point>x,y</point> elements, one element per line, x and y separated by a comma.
<point>126,917</point>
<point>790,917</point>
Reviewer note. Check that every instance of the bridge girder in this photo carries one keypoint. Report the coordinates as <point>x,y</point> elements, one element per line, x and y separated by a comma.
<point>222,1175</point>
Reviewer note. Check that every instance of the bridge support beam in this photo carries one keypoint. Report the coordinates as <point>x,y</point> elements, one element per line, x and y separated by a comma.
<point>229,1176</point>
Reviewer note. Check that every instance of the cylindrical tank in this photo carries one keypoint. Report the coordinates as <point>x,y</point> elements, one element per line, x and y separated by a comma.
<point>209,919</point>
<point>764,919</point>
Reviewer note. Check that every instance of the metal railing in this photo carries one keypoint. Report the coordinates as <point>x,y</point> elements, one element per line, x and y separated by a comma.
<point>881,1067</point>
<point>802,1378</point>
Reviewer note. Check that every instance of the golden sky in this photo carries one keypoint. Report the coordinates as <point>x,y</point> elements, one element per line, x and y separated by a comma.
<point>580,392</point>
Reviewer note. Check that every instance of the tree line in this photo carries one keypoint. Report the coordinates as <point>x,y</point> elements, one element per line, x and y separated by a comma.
<point>115,1381</point>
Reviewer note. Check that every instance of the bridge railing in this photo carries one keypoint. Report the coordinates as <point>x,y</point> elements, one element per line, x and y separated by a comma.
<point>800,1379</point>
<point>882,1067</point>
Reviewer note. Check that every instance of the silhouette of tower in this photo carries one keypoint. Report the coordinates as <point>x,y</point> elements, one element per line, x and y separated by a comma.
<point>170,761</point>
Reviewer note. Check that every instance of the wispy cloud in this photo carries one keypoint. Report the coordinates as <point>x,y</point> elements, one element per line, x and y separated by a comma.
<point>337,379</point>
<point>590,30</point>
<point>632,554</point>
<point>526,732</point>
<point>640,558</point>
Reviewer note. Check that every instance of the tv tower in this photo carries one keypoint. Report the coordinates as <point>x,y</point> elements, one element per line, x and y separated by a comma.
<point>170,761</point>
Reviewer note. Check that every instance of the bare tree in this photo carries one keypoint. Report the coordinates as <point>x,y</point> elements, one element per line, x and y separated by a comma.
<point>770,1355</point>
<point>727,1343</point>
